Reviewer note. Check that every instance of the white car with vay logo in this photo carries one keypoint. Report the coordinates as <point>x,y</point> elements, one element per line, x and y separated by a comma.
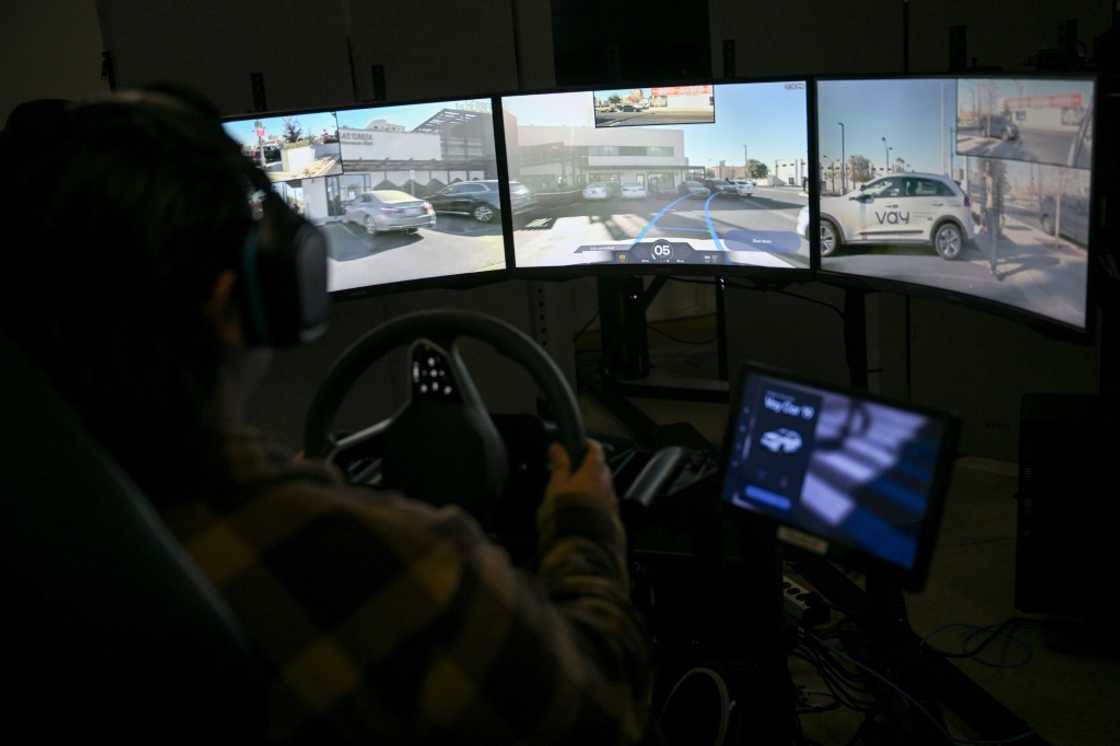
<point>910,208</point>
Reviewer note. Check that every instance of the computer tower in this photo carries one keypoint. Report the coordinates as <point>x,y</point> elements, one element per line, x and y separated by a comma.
<point>1068,530</point>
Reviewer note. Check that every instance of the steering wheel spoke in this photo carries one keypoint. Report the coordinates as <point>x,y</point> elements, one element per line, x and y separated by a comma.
<point>359,454</point>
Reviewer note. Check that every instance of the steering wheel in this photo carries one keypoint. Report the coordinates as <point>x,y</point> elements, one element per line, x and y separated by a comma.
<point>441,446</point>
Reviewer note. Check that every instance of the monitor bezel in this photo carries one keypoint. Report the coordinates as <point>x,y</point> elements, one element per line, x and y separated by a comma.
<point>460,281</point>
<point>913,578</point>
<point>776,275</point>
<point>1046,325</point>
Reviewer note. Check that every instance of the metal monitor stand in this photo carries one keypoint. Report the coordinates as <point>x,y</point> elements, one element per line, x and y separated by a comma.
<point>626,371</point>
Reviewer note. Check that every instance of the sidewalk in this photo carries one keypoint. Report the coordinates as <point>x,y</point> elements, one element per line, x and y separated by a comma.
<point>1051,272</point>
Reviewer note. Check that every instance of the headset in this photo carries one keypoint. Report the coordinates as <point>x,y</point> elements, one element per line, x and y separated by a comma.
<point>282,271</point>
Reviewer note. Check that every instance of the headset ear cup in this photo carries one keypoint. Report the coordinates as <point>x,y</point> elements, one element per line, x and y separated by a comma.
<point>313,293</point>
<point>284,268</point>
<point>253,310</point>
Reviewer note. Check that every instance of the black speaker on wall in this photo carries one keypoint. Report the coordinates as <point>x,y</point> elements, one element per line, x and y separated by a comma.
<point>1069,506</point>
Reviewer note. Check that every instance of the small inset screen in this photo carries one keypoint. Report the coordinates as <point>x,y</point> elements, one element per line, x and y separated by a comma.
<point>298,146</point>
<point>636,107</point>
<point>1027,120</point>
<point>849,471</point>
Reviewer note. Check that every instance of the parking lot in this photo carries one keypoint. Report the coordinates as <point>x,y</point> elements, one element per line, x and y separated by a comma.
<point>457,245</point>
<point>551,236</point>
<point>1035,271</point>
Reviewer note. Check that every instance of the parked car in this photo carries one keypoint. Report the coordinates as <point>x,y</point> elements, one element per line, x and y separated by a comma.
<point>634,191</point>
<point>1001,126</point>
<point>916,208</point>
<point>1074,217</point>
<point>693,189</point>
<point>595,191</point>
<point>743,187</point>
<point>721,187</point>
<point>481,199</point>
<point>390,210</point>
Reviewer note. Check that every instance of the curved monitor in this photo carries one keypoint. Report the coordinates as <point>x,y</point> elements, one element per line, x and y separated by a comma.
<point>978,186</point>
<point>696,175</point>
<point>404,192</point>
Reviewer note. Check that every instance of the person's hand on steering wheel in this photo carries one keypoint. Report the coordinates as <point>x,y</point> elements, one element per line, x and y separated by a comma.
<point>592,478</point>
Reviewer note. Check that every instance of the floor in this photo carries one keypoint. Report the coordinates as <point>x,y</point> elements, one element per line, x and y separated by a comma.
<point>1070,700</point>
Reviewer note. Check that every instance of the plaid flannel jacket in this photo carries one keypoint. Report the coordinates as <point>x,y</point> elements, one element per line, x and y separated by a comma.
<point>385,620</point>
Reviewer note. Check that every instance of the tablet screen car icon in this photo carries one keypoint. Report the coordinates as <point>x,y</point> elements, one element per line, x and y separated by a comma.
<point>781,441</point>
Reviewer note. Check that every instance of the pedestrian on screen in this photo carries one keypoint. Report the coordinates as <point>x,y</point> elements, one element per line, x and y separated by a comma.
<point>993,210</point>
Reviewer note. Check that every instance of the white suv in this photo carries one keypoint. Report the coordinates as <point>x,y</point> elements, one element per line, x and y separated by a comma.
<point>910,208</point>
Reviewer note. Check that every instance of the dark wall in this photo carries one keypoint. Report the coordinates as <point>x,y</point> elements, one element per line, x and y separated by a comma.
<point>596,41</point>
<point>52,49</point>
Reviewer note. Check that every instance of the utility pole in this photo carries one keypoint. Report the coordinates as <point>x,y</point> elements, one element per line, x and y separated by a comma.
<point>746,164</point>
<point>941,129</point>
<point>886,155</point>
<point>843,161</point>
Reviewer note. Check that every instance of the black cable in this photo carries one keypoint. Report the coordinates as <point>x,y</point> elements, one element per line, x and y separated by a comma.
<point>837,689</point>
<point>763,288</point>
<point>807,299</point>
<point>697,342</point>
<point>585,327</point>
<point>825,653</point>
<point>855,678</point>
<point>692,282</point>
<point>996,632</point>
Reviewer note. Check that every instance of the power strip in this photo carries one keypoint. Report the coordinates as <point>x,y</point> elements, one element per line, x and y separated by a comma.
<point>802,605</point>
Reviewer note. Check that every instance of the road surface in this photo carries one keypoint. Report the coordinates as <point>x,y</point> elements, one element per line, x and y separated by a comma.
<point>1037,146</point>
<point>457,245</point>
<point>1035,272</point>
<point>551,236</point>
<point>651,116</point>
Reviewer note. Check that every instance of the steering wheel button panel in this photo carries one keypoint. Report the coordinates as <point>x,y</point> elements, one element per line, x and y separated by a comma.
<point>432,378</point>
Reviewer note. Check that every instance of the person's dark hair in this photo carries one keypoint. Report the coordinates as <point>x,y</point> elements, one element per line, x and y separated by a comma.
<point>122,214</point>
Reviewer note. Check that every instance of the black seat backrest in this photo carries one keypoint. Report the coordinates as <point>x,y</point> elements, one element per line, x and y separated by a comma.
<point>113,630</point>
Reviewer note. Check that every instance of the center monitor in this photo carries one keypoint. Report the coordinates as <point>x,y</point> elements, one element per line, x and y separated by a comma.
<point>699,175</point>
<point>977,186</point>
<point>403,193</point>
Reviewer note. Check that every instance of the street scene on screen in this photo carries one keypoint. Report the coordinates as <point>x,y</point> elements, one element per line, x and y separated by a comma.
<point>850,471</point>
<point>298,146</point>
<point>1041,121</point>
<point>901,200</point>
<point>629,107</point>
<point>418,197</point>
<point>720,193</point>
